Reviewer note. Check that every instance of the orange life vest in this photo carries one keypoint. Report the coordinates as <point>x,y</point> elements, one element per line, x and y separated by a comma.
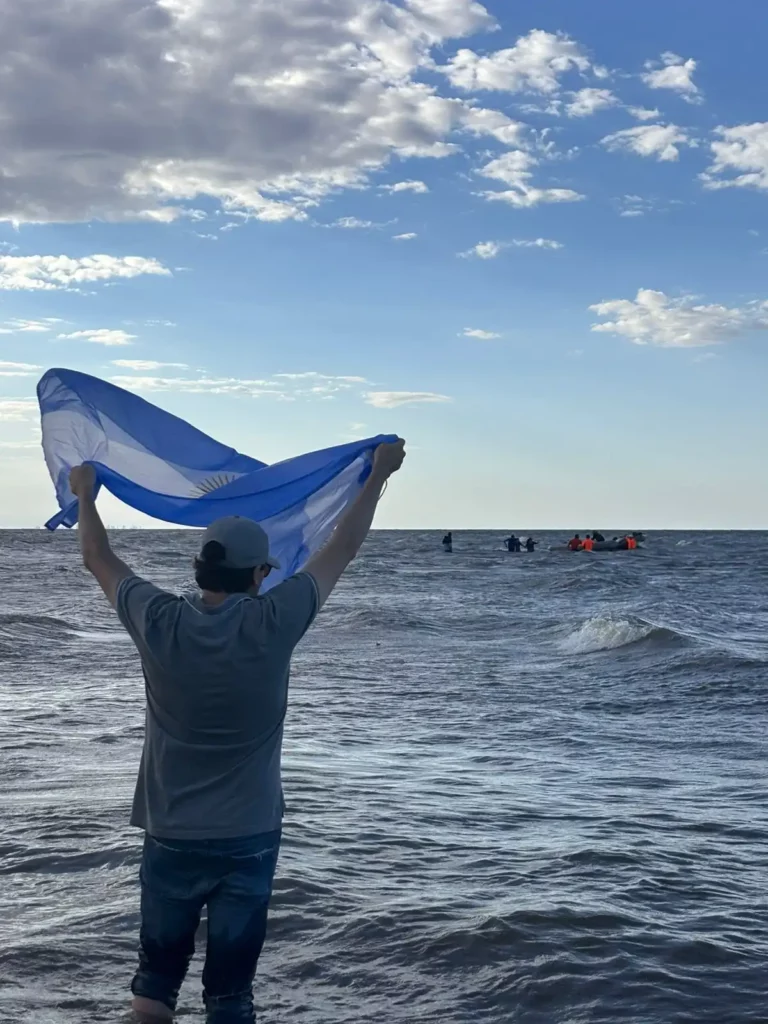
<point>631,543</point>
<point>588,544</point>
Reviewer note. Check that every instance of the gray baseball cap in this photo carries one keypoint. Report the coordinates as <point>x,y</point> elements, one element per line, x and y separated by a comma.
<point>244,541</point>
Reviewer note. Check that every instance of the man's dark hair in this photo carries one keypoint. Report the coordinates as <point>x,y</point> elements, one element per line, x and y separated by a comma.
<point>211,575</point>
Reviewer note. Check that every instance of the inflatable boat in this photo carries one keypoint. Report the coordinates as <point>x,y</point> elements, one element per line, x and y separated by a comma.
<point>601,545</point>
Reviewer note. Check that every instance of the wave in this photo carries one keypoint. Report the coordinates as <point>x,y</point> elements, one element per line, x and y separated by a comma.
<point>606,633</point>
<point>18,624</point>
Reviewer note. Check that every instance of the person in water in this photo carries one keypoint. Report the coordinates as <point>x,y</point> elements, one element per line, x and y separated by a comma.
<point>574,544</point>
<point>209,795</point>
<point>530,544</point>
<point>598,537</point>
<point>513,544</point>
<point>448,542</point>
<point>588,544</point>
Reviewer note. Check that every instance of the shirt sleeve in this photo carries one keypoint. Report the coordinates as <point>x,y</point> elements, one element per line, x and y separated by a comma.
<point>134,600</point>
<point>291,607</point>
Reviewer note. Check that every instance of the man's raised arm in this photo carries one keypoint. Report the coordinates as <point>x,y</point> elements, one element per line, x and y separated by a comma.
<point>346,540</point>
<point>98,557</point>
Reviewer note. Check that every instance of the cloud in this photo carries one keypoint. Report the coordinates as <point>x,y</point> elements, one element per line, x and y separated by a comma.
<point>740,157</point>
<point>490,250</point>
<point>672,72</point>
<point>264,107</point>
<point>354,224</point>
<point>475,332</point>
<point>19,444</point>
<point>634,206</point>
<point>484,251</point>
<point>534,64</point>
<point>346,381</point>
<point>15,326</point>
<point>200,385</point>
<point>101,336</point>
<point>644,114</point>
<point>146,365</point>
<point>407,237</point>
<point>49,273</point>
<point>16,410</point>
<point>588,101</point>
<point>393,399</point>
<point>537,243</point>
<point>18,369</point>
<point>282,386</point>
<point>419,187</point>
<point>653,318</point>
<point>650,140</point>
<point>514,168</point>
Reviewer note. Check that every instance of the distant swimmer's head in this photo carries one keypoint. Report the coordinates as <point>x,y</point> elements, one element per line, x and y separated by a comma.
<point>234,558</point>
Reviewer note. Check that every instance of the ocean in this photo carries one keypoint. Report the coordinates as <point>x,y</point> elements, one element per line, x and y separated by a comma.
<point>522,789</point>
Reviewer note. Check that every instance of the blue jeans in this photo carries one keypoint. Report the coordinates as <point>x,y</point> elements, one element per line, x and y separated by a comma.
<point>233,878</point>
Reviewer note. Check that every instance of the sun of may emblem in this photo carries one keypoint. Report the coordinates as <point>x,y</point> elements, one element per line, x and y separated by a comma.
<point>212,483</point>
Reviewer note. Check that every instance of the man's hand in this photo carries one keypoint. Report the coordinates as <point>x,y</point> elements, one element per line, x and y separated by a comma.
<point>388,458</point>
<point>82,481</point>
<point>327,565</point>
<point>98,556</point>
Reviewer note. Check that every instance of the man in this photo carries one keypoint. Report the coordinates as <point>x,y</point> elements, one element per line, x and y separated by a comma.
<point>209,795</point>
<point>587,544</point>
<point>575,543</point>
<point>530,544</point>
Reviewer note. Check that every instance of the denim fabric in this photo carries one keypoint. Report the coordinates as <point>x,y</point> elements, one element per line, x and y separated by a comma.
<point>233,878</point>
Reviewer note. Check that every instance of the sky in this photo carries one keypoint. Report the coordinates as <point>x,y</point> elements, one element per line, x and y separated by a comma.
<point>530,238</point>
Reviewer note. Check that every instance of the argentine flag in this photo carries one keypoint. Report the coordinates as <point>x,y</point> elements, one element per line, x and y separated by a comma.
<point>163,466</point>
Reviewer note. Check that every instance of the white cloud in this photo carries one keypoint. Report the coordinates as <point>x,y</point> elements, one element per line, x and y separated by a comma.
<point>346,381</point>
<point>407,237</point>
<point>264,106</point>
<point>661,141</point>
<point>283,386</point>
<point>17,369</point>
<point>16,410</point>
<point>200,385</point>
<point>159,323</point>
<point>514,168</point>
<point>653,318</point>
<point>101,336</point>
<point>393,399</point>
<point>537,243</point>
<point>672,72</point>
<point>588,101</point>
<point>634,206</point>
<point>740,157</point>
<point>484,250</point>
<point>354,224</point>
<point>480,335</point>
<point>146,365</point>
<point>490,250</point>
<point>419,187</point>
<point>48,273</point>
<point>15,326</point>
<point>534,64</point>
<point>644,114</point>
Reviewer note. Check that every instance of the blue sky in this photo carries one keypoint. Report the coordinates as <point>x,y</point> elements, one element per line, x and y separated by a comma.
<point>229,187</point>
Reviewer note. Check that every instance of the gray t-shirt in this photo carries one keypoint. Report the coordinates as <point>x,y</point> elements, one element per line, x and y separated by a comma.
<point>217,691</point>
